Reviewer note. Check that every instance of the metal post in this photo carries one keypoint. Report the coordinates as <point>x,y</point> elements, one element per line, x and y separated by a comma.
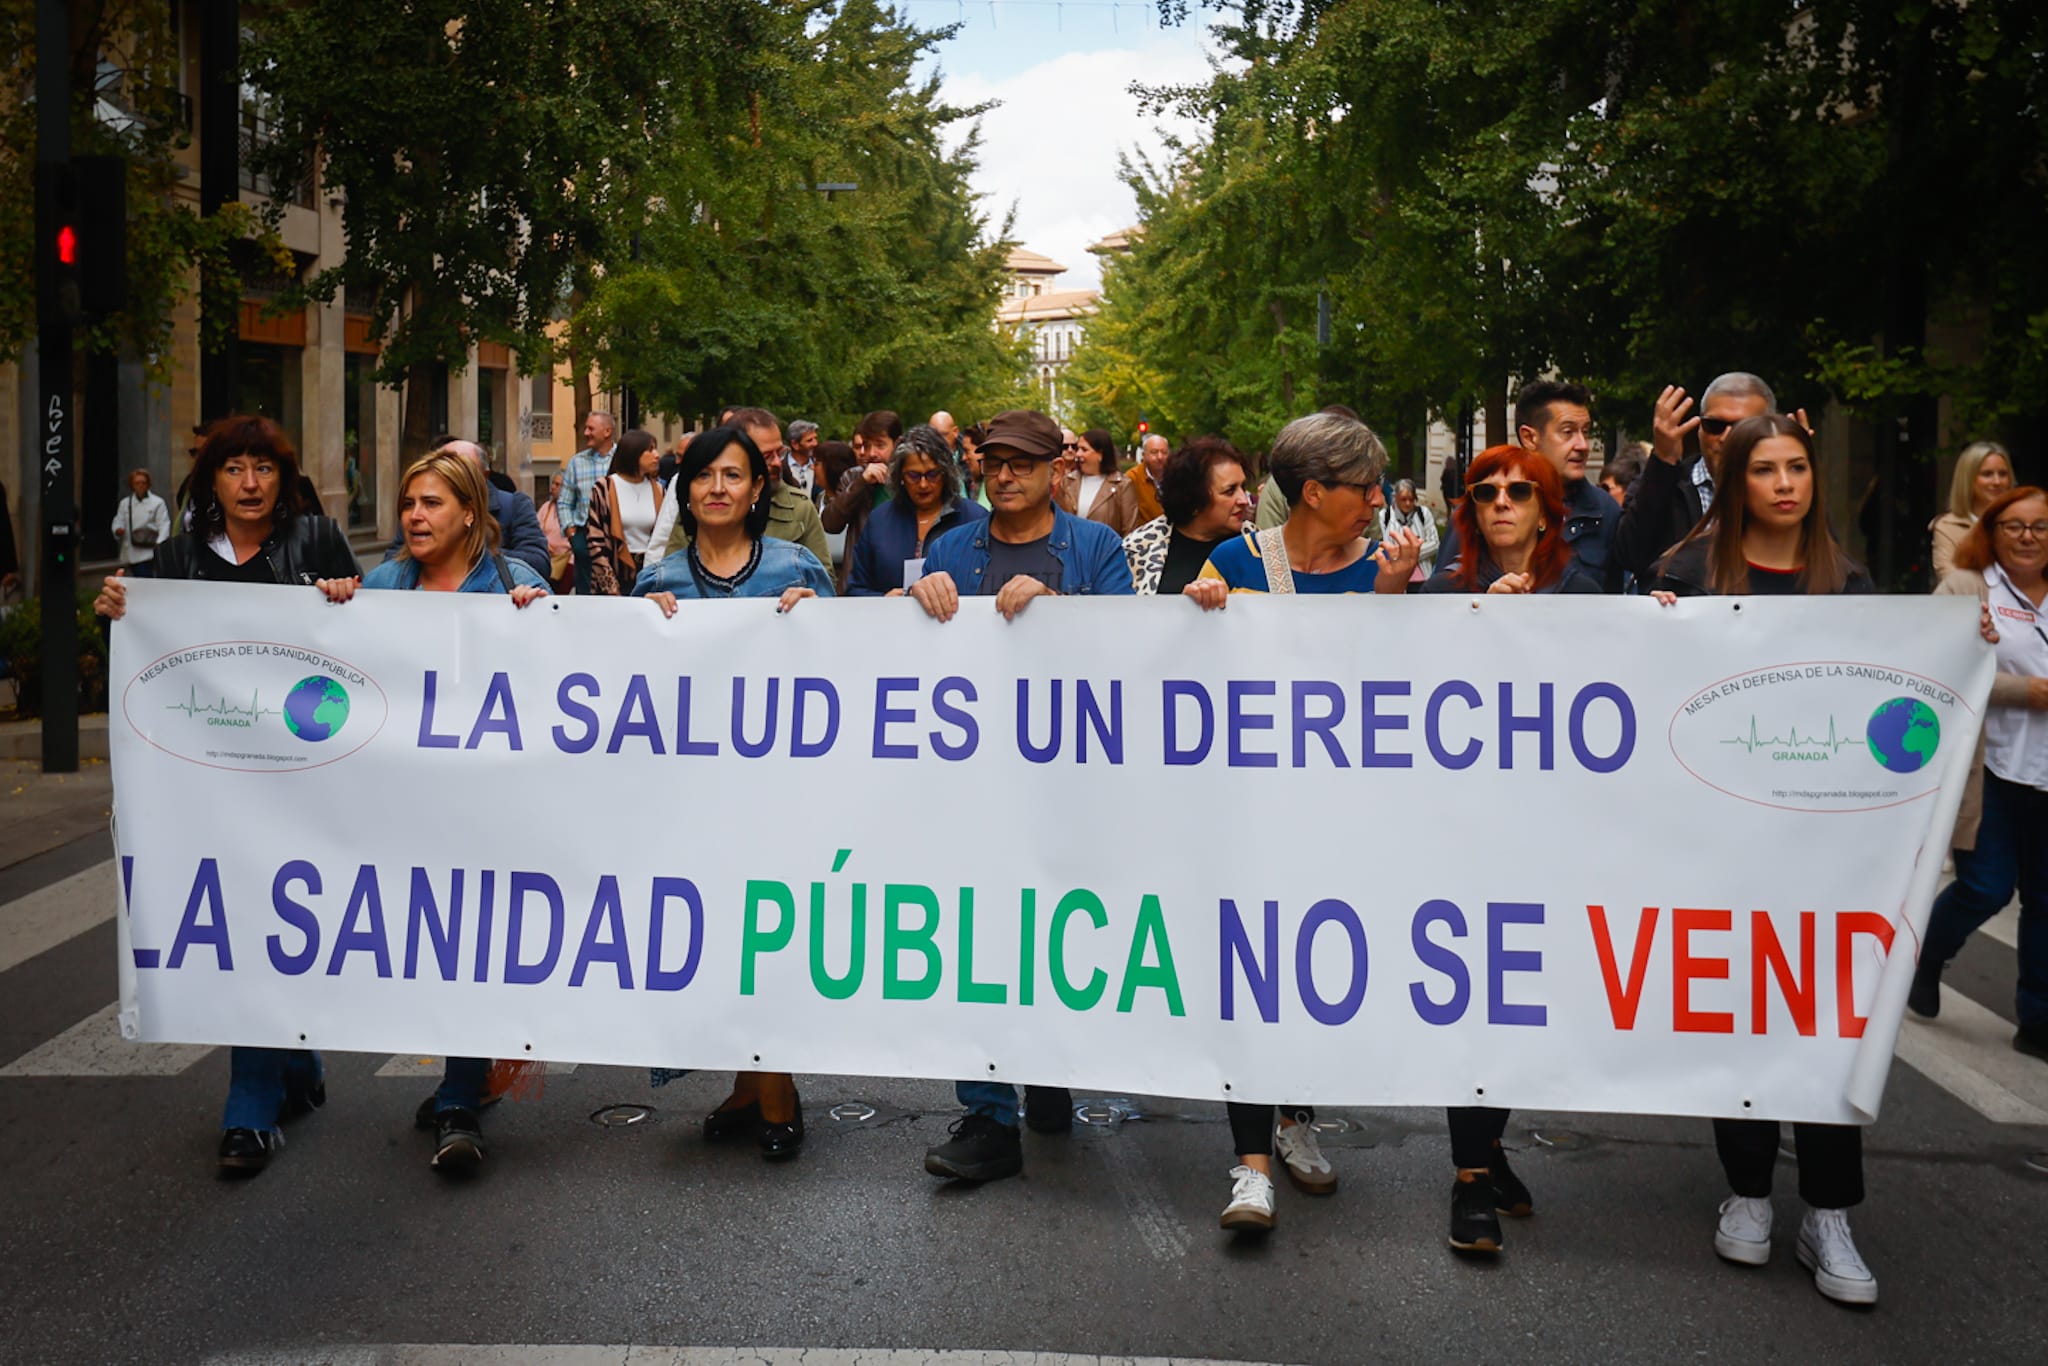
<point>220,174</point>
<point>56,302</point>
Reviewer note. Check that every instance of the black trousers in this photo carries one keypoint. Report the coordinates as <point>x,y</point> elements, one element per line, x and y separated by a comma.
<point>1251,1126</point>
<point>1475,1132</point>
<point>1830,1159</point>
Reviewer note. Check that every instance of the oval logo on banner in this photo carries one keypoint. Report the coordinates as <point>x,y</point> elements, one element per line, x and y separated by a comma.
<point>259,706</point>
<point>1823,735</point>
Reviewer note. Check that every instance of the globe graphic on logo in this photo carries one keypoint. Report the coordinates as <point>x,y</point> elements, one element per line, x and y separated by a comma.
<point>315,708</point>
<point>1903,734</point>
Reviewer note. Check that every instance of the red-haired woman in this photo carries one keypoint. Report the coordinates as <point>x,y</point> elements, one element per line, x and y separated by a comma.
<point>2003,561</point>
<point>1766,533</point>
<point>1510,530</point>
<point>1510,537</point>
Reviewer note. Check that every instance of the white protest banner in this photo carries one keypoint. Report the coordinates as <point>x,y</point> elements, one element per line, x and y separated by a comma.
<point>1561,852</point>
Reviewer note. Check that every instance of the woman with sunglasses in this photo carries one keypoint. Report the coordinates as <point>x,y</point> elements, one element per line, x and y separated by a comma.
<point>924,501</point>
<point>1766,533</point>
<point>1510,530</point>
<point>2001,839</point>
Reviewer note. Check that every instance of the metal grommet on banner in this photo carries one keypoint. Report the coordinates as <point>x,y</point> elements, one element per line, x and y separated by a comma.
<point>529,1047</point>
<point>1475,604</point>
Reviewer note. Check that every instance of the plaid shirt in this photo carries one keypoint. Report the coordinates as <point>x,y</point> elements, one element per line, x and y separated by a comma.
<point>572,505</point>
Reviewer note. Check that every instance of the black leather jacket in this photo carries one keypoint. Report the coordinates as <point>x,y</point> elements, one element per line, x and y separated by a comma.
<point>302,551</point>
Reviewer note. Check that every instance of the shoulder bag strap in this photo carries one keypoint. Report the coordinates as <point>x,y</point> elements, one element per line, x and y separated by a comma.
<point>1273,555</point>
<point>504,571</point>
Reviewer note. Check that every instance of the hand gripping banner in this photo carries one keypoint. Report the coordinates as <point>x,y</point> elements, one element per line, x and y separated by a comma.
<point>1554,852</point>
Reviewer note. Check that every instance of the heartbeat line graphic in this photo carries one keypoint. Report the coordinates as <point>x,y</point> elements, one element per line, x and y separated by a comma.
<point>192,706</point>
<point>1832,744</point>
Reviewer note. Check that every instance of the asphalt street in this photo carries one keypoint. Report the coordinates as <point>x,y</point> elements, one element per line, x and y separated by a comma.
<point>120,1244</point>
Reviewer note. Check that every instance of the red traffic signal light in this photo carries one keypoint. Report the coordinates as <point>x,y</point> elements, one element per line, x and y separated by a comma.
<point>1144,426</point>
<point>67,245</point>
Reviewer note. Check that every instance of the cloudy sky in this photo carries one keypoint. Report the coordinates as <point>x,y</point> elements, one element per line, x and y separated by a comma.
<point>1062,74</point>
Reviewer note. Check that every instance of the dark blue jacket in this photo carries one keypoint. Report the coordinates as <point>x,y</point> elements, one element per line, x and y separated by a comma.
<point>1091,556</point>
<point>519,533</point>
<point>890,538</point>
<point>1590,518</point>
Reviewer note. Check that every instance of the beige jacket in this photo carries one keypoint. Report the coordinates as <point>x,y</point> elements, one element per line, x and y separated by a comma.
<point>1946,531</point>
<point>2007,690</point>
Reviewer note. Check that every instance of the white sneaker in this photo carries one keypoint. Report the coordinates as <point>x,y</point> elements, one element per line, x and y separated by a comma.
<point>1251,1200</point>
<point>1745,1232</point>
<point>1296,1147</point>
<point>1828,1250</point>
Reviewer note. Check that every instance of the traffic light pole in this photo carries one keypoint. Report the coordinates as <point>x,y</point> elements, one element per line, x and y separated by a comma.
<point>56,305</point>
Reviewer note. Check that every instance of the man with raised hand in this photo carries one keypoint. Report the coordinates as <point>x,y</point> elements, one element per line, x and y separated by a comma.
<point>1028,548</point>
<point>865,485</point>
<point>579,477</point>
<point>1674,489</point>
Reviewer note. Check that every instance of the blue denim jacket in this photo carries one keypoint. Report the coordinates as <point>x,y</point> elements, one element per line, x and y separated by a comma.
<point>890,538</point>
<point>784,564</point>
<point>405,573</point>
<point>1091,557</point>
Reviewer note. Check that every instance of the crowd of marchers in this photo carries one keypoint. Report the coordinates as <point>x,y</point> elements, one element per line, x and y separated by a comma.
<point>1725,500</point>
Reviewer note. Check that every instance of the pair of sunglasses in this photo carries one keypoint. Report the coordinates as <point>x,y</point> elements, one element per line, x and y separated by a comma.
<point>1517,490</point>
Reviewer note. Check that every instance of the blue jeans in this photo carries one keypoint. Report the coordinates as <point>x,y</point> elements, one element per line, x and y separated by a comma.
<point>462,1085</point>
<point>579,551</point>
<point>258,1079</point>
<point>996,1099</point>
<point>2011,852</point>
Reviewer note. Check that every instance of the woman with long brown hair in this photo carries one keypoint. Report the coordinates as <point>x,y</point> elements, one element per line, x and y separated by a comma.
<point>1766,533</point>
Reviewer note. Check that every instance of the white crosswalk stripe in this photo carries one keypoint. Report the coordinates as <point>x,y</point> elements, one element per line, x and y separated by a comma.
<point>36,923</point>
<point>517,1354</point>
<point>94,1048</point>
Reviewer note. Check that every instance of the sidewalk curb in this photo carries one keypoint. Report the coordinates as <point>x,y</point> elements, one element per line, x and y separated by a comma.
<point>24,739</point>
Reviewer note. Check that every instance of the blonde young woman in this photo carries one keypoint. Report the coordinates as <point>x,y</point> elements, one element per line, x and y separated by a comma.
<point>1983,472</point>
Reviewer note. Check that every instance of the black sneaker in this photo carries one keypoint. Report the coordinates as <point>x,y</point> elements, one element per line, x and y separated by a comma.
<point>2032,1042</point>
<point>423,1118</point>
<point>1924,998</point>
<point>1048,1109</point>
<point>245,1152</point>
<point>1474,1225</point>
<point>1510,1196</point>
<point>982,1149</point>
<point>458,1142</point>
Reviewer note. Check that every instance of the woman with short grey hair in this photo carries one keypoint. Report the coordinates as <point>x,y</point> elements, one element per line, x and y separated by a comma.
<point>1328,468</point>
<point>924,488</point>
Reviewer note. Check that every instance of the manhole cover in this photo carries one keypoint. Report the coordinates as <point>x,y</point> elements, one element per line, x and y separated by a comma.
<point>619,1116</point>
<point>1101,1115</point>
<point>852,1111</point>
<point>1338,1125</point>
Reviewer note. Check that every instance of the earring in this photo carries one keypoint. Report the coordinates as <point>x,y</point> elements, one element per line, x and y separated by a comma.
<point>1542,527</point>
<point>468,522</point>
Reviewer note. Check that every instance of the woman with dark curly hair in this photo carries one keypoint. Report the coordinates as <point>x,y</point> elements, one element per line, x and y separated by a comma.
<point>1202,490</point>
<point>250,524</point>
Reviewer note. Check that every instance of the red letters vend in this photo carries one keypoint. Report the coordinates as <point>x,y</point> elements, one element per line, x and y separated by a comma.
<point>1769,961</point>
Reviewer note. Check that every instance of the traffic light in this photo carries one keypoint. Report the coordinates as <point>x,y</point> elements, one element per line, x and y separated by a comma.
<point>1143,425</point>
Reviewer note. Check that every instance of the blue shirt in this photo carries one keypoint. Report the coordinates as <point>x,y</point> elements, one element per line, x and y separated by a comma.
<point>784,564</point>
<point>405,573</point>
<point>890,538</point>
<point>1237,563</point>
<point>1091,557</point>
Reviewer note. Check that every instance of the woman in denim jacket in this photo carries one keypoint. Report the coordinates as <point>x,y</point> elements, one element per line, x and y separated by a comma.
<point>723,481</point>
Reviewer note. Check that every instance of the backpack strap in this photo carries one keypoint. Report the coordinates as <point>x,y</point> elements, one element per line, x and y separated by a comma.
<point>504,570</point>
<point>1272,553</point>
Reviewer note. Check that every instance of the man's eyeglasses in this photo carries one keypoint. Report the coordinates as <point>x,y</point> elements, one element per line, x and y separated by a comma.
<point>2015,530</point>
<point>1019,465</point>
<point>1070,445</point>
<point>1517,490</point>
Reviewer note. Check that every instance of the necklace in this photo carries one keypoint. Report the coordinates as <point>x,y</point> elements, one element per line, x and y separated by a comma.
<point>721,585</point>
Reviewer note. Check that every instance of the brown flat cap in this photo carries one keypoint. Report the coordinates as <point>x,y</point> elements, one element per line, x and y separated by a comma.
<point>1025,432</point>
